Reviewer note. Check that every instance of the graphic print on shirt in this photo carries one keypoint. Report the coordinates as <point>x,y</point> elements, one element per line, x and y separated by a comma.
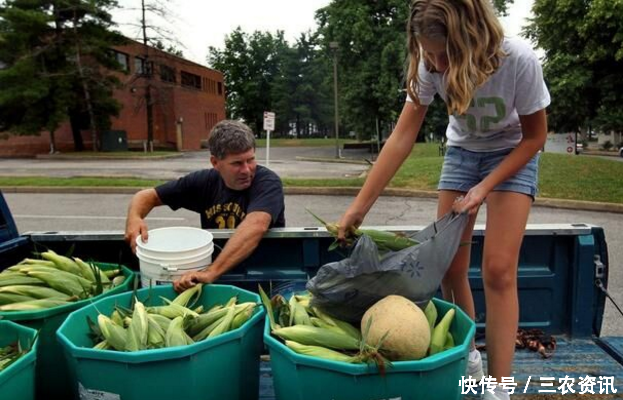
<point>491,111</point>
<point>225,216</point>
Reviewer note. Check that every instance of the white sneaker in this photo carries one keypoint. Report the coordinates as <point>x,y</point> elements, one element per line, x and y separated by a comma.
<point>474,365</point>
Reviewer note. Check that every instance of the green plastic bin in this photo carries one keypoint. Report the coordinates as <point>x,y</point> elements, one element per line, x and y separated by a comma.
<point>52,374</point>
<point>225,367</point>
<point>17,381</point>
<point>300,377</point>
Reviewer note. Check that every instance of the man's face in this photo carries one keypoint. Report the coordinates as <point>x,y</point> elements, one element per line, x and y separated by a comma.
<point>237,170</point>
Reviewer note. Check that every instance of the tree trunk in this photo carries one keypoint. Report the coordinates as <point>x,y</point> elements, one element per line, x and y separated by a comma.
<point>74,120</point>
<point>52,142</point>
<point>85,89</point>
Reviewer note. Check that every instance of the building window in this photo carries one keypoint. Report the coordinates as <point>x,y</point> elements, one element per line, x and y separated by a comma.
<point>139,66</point>
<point>191,80</point>
<point>167,74</point>
<point>123,60</point>
<point>220,88</point>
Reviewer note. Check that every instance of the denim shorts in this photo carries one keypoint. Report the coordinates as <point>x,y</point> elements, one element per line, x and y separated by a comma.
<point>464,169</point>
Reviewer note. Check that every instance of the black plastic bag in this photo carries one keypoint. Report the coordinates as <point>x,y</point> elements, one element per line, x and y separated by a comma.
<point>347,288</point>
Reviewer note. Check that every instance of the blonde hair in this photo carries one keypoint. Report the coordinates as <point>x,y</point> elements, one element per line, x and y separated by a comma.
<point>473,37</point>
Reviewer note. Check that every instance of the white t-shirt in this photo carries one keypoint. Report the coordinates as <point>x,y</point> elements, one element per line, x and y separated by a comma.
<point>492,120</point>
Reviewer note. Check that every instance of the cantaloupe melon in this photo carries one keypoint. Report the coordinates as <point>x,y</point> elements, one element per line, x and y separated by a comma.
<point>409,331</point>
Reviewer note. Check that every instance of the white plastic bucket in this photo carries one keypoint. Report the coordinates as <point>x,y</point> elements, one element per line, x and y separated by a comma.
<point>171,252</point>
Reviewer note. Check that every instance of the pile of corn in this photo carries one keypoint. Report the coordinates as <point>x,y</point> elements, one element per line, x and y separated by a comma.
<point>10,354</point>
<point>175,323</point>
<point>307,330</point>
<point>52,281</point>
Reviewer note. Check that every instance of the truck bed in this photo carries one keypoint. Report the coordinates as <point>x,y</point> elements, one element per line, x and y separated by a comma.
<point>559,266</point>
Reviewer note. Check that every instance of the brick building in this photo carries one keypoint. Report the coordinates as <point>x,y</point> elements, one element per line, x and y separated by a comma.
<point>188,100</point>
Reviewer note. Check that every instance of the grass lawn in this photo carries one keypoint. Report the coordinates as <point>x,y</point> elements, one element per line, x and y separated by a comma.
<point>560,176</point>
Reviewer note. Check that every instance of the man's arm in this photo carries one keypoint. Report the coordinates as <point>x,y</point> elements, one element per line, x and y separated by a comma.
<point>240,246</point>
<point>142,203</point>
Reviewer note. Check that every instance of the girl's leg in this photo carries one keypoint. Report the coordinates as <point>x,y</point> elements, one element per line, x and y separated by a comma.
<point>455,284</point>
<point>507,215</point>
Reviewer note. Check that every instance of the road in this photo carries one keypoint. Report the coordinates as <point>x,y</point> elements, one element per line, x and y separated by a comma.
<point>286,162</point>
<point>88,212</point>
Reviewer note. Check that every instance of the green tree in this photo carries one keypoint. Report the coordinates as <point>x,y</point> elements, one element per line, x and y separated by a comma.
<point>249,63</point>
<point>583,66</point>
<point>53,53</point>
<point>371,58</point>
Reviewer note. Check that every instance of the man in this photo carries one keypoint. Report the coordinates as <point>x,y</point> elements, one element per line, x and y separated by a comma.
<point>236,194</point>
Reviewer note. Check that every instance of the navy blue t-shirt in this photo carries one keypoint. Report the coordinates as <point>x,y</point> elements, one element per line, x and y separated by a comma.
<point>221,207</point>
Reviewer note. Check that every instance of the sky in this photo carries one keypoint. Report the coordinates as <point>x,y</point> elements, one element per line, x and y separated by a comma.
<point>199,24</point>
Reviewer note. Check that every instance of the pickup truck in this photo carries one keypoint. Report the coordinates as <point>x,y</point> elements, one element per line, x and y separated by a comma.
<point>563,281</point>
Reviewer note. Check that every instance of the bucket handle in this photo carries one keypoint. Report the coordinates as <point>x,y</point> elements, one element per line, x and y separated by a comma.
<point>168,268</point>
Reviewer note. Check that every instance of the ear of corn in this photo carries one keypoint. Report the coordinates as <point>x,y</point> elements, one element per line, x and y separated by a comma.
<point>298,313</point>
<point>10,298</point>
<point>36,292</point>
<point>31,305</point>
<point>431,315</point>
<point>184,298</point>
<point>207,330</point>
<point>225,324</point>
<point>115,335</point>
<point>385,241</point>
<point>175,335</point>
<point>22,279</point>
<point>449,341</point>
<point>242,317</point>
<point>161,320</point>
<point>269,309</point>
<point>172,311</point>
<point>61,262</point>
<point>103,345</point>
<point>156,335</point>
<point>85,270</point>
<point>112,273</point>
<point>314,336</point>
<point>320,352</point>
<point>138,329</point>
<point>118,281</point>
<point>440,332</point>
<point>345,327</point>
<point>67,284</point>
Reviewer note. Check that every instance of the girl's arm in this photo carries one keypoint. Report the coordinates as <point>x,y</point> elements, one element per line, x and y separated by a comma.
<point>395,151</point>
<point>534,131</point>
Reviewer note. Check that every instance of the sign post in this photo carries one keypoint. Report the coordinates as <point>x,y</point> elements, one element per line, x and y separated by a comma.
<point>269,125</point>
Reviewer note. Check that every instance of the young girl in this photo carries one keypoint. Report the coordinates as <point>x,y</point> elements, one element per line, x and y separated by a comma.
<point>496,98</point>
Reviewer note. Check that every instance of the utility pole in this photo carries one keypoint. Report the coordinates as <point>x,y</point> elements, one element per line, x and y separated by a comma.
<point>147,76</point>
<point>334,48</point>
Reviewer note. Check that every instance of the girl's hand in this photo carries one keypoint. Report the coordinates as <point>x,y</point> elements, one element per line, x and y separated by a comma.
<point>471,201</point>
<point>349,221</point>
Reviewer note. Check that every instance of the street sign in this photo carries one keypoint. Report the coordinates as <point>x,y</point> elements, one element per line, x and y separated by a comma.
<point>561,143</point>
<point>269,121</point>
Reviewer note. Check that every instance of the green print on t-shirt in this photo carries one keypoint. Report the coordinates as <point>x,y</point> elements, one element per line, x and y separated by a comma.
<point>486,121</point>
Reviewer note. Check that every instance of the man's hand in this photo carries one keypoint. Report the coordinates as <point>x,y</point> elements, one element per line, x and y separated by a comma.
<point>190,279</point>
<point>142,203</point>
<point>133,228</point>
